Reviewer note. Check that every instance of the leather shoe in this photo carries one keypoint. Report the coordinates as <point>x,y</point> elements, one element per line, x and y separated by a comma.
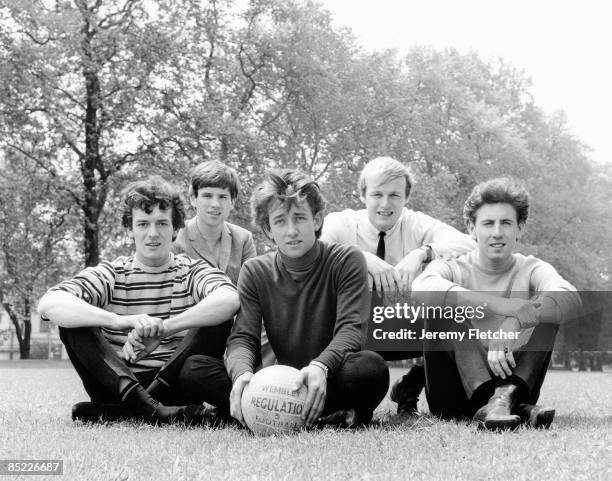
<point>406,390</point>
<point>92,412</point>
<point>536,416</point>
<point>497,413</point>
<point>343,418</point>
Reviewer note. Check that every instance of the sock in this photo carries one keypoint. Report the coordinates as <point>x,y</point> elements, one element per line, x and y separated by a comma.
<point>141,403</point>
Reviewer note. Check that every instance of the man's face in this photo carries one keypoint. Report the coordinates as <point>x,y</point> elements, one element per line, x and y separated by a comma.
<point>152,234</point>
<point>212,205</point>
<point>384,201</point>
<point>496,231</point>
<point>293,230</point>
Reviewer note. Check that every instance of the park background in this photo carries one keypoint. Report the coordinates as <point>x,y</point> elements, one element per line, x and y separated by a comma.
<point>96,93</point>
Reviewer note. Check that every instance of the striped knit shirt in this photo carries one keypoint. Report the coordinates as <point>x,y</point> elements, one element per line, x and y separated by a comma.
<point>126,287</point>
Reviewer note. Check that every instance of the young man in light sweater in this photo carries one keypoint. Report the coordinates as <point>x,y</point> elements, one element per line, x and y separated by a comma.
<point>312,298</point>
<point>491,367</point>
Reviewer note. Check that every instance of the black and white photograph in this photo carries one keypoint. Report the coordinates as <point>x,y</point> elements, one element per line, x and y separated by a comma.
<point>305,239</point>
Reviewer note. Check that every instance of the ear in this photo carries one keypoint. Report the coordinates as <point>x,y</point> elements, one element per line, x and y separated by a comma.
<point>130,233</point>
<point>471,230</point>
<point>192,200</point>
<point>318,220</point>
<point>362,197</point>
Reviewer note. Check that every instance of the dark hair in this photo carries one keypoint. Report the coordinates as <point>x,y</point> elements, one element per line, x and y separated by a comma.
<point>288,187</point>
<point>495,191</point>
<point>213,173</point>
<point>148,193</point>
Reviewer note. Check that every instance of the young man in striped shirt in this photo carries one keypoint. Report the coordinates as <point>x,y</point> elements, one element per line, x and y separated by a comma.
<point>146,333</point>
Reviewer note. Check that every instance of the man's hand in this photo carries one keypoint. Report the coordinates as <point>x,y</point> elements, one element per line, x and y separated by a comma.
<point>314,378</point>
<point>145,325</point>
<point>236,395</point>
<point>500,357</point>
<point>409,267</point>
<point>384,276</point>
<point>136,347</point>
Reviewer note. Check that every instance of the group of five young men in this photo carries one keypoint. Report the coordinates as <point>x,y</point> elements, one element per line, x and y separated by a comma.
<point>165,335</point>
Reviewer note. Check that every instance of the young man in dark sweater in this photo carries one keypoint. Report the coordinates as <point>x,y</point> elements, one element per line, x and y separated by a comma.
<point>312,298</point>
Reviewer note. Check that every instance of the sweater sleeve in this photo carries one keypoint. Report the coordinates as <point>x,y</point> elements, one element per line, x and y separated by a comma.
<point>94,285</point>
<point>352,306</point>
<point>433,284</point>
<point>558,299</point>
<point>244,342</point>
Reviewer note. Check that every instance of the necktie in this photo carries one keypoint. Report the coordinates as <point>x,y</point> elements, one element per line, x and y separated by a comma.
<point>380,249</point>
<point>377,299</point>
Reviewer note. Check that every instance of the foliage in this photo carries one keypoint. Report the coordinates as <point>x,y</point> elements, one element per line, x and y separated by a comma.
<point>98,93</point>
<point>35,243</point>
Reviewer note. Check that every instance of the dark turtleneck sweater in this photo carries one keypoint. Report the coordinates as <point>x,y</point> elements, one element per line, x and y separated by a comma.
<point>314,308</point>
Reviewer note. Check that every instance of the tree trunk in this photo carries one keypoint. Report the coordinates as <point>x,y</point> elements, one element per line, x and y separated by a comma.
<point>596,362</point>
<point>567,360</point>
<point>22,332</point>
<point>24,347</point>
<point>91,161</point>
<point>581,360</point>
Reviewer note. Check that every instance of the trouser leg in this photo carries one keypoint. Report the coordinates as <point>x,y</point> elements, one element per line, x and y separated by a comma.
<point>457,372</point>
<point>443,387</point>
<point>207,341</point>
<point>532,360</point>
<point>407,389</point>
<point>360,383</point>
<point>103,373</point>
<point>203,379</point>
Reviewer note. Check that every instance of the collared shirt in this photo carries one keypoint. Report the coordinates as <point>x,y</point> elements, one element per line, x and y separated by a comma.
<point>411,231</point>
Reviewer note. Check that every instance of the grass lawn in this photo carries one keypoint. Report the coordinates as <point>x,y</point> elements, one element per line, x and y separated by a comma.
<point>35,423</point>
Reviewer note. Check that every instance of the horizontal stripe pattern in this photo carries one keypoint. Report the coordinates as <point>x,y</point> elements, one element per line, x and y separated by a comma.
<point>126,287</point>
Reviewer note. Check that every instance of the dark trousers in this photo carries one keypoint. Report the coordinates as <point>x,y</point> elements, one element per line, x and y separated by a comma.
<point>360,383</point>
<point>195,373</point>
<point>458,380</point>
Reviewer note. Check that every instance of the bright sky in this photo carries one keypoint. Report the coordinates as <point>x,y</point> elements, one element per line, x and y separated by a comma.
<point>564,46</point>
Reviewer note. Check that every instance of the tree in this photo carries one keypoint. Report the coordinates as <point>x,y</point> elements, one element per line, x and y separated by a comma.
<point>74,75</point>
<point>35,242</point>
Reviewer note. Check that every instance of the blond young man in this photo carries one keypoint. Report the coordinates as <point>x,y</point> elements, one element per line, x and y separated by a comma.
<point>396,242</point>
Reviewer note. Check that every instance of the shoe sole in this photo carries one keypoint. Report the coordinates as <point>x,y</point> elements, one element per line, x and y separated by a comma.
<point>500,425</point>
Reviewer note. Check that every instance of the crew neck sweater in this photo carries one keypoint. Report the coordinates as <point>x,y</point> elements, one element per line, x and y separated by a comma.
<point>320,317</point>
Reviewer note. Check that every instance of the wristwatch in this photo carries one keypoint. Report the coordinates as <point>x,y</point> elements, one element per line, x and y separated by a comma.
<point>428,253</point>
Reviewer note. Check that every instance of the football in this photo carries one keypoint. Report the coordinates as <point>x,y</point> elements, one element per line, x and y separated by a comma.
<point>269,405</point>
